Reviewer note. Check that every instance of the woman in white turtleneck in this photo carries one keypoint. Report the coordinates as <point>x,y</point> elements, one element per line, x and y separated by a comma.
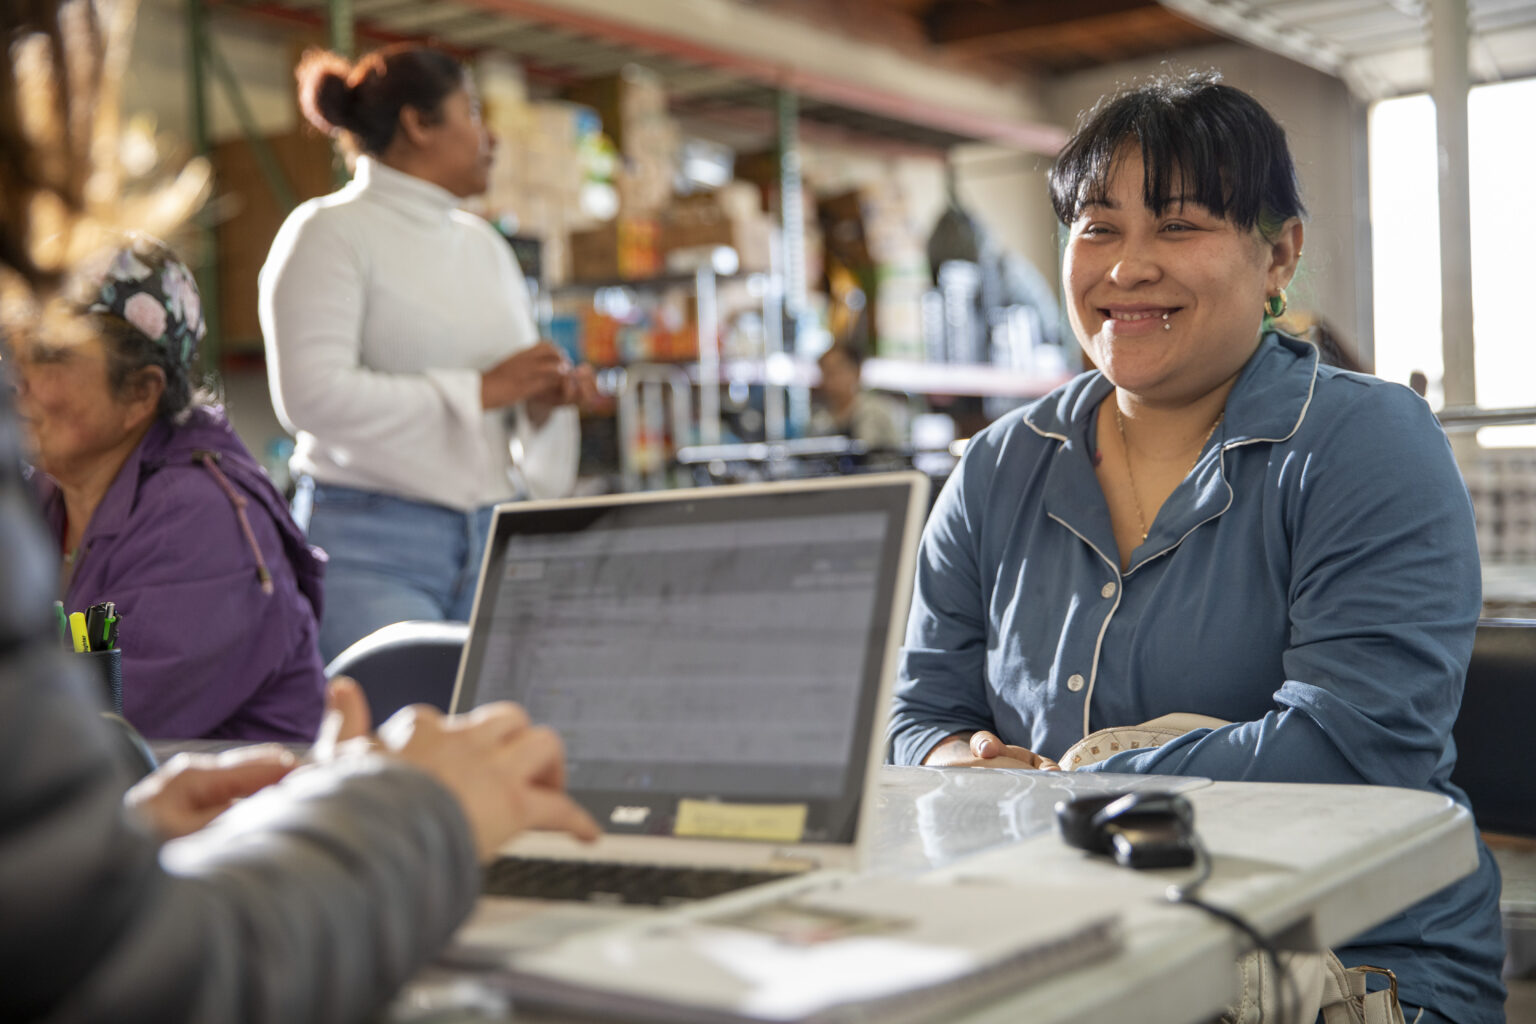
<point>401,350</point>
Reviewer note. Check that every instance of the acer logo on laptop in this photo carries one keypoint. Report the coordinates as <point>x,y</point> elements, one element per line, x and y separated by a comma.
<point>623,815</point>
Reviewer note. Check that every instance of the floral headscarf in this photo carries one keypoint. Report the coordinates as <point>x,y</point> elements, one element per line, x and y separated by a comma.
<point>156,293</point>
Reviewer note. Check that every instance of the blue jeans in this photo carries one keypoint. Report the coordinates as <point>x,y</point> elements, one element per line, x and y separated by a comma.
<point>391,559</point>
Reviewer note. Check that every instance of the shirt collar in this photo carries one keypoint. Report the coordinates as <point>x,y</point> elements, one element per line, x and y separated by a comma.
<point>407,193</point>
<point>1274,391</point>
<point>1268,402</point>
<point>117,504</point>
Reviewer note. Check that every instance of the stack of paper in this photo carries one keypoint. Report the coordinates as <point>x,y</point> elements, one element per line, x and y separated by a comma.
<point>881,949</point>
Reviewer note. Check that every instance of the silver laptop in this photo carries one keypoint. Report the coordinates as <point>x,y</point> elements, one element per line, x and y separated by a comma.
<point>718,662</point>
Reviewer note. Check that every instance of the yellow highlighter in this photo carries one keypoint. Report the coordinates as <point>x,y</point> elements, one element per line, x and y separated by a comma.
<point>78,631</point>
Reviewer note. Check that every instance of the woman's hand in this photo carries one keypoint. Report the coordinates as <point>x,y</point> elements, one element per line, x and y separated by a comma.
<point>982,749</point>
<point>190,790</point>
<point>578,387</point>
<point>508,775</point>
<point>537,372</point>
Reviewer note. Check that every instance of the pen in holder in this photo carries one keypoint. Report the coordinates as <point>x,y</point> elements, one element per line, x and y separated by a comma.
<point>108,666</point>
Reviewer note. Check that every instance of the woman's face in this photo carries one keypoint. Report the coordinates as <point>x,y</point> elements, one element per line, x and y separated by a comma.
<point>69,414</point>
<point>459,145</point>
<point>1169,306</point>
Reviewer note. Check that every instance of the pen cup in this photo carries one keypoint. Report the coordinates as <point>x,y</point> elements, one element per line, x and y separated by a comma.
<point>108,666</point>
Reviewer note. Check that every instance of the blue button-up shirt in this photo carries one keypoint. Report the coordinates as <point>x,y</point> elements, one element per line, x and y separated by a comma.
<point>1314,581</point>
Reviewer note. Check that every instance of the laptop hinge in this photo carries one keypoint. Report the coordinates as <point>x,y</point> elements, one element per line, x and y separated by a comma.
<point>789,860</point>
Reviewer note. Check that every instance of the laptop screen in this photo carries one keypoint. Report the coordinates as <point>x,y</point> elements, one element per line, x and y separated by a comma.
<point>722,645</point>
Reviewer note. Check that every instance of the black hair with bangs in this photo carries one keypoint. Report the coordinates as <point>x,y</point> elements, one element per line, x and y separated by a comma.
<point>1201,141</point>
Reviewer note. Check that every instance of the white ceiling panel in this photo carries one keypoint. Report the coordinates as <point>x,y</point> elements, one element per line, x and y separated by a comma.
<point>1379,47</point>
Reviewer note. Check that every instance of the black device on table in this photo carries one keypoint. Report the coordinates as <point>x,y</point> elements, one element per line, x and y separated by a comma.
<point>1139,829</point>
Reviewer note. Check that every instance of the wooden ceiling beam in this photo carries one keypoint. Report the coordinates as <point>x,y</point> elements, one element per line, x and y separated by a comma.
<point>1106,38</point>
<point>977,27</point>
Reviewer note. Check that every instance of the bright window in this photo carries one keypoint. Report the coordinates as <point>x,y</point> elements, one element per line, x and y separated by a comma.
<point>1406,246</point>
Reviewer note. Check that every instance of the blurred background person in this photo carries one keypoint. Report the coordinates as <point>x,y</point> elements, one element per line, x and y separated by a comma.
<point>156,506</point>
<point>847,408</point>
<point>401,350</point>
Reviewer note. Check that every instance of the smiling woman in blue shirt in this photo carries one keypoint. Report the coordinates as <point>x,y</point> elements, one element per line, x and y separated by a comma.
<point>1211,522</point>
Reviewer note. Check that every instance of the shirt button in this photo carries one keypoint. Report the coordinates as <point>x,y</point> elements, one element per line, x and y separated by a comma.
<point>1075,682</point>
<point>1108,590</point>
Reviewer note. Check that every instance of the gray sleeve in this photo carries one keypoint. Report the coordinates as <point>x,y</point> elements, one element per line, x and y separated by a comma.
<point>312,901</point>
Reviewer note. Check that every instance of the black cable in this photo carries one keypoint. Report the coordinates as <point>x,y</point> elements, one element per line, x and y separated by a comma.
<point>1185,894</point>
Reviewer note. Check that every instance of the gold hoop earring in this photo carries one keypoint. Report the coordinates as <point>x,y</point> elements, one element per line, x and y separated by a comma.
<point>1275,305</point>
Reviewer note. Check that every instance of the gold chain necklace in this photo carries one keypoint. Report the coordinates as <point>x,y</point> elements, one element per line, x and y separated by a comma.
<point>1141,518</point>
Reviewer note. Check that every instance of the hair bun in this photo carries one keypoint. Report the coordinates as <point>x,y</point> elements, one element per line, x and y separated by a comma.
<point>364,98</point>
<point>327,101</point>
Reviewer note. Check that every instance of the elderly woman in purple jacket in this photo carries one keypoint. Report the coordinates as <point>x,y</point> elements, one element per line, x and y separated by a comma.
<point>158,507</point>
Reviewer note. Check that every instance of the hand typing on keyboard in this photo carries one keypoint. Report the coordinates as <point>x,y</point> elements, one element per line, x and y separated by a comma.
<point>508,774</point>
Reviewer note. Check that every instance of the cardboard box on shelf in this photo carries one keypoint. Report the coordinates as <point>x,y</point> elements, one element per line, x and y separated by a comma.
<point>741,201</point>
<point>624,101</point>
<point>719,218</point>
<point>643,191</point>
<point>625,248</point>
<point>695,220</point>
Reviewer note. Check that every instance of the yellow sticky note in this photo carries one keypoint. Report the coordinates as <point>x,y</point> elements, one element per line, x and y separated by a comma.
<point>773,823</point>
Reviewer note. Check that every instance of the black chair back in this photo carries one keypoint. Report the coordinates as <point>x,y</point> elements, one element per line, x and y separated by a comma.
<point>1496,730</point>
<point>404,663</point>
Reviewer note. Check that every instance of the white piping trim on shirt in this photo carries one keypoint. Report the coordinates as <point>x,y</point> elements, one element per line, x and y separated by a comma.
<point>1098,644</point>
<point>1222,450</point>
<point>1114,567</point>
<point>1222,458</point>
<point>1044,433</point>
<point>1305,408</point>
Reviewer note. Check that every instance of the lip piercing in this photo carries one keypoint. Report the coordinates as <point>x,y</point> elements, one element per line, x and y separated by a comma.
<point>1166,325</point>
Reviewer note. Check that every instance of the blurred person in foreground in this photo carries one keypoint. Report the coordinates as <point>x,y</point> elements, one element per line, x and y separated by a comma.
<point>232,888</point>
<point>1211,524</point>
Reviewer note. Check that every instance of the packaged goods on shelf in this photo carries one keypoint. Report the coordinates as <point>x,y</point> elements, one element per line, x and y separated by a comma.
<point>537,153</point>
<point>643,191</point>
<point>842,220</point>
<point>654,329</point>
<point>623,100</point>
<point>650,149</point>
<point>892,235</point>
<point>729,216</point>
<point>872,225</point>
<point>632,106</point>
<point>899,310</point>
<point>503,94</point>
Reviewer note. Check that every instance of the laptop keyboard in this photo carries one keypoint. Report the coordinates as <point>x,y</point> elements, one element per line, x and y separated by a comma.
<point>605,882</point>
